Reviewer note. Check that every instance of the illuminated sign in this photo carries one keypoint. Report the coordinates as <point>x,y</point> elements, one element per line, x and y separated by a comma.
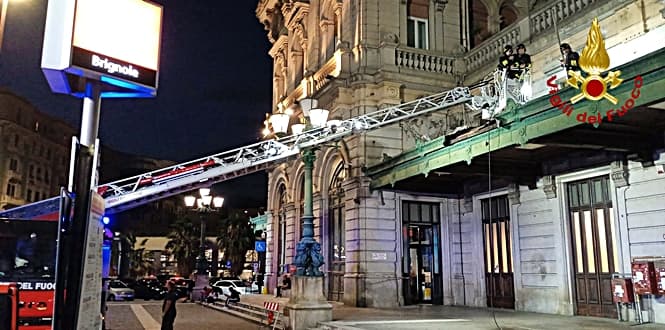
<point>85,38</point>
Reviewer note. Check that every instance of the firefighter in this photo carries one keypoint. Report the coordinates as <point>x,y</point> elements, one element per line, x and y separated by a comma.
<point>506,60</point>
<point>570,58</point>
<point>522,61</point>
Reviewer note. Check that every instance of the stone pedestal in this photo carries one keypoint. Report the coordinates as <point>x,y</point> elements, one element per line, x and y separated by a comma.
<point>307,305</point>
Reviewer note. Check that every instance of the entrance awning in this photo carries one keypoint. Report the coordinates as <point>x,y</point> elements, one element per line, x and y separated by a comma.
<point>538,139</point>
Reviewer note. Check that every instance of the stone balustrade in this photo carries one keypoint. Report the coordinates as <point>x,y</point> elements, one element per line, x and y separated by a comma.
<point>491,49</point>
<point>542,20</point>
<point>423,60</point>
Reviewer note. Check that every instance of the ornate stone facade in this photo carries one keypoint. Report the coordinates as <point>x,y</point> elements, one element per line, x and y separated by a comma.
<point>354,57</point>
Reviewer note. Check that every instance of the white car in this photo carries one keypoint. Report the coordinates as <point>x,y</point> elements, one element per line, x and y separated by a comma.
<point>118,290</point>
<point>238,285</point>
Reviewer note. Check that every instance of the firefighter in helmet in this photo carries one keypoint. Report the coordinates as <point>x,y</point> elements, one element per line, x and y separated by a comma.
<point>570,59</point>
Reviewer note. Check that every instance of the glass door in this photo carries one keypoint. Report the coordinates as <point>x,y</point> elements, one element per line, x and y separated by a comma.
<point>421,273</point>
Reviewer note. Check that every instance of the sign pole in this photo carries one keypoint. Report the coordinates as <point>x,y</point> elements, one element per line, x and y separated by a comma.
<point>74,250</point>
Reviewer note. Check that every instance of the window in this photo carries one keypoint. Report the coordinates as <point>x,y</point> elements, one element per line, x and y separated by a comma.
<point>47,179</point>
<point>13,165</point>
<point>416,33</point>
<point>337,235</point>
<point>31,171</point>
<point>16,140</point>
<point>39,174</point>
<point>11,189</point>
<point>281,240</point>
<point>28,196</point>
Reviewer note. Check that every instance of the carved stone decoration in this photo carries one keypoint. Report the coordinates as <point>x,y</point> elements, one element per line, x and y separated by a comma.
<point>390,38</point>
<point>514,193</point>
<point>619,173</point>
<point>440,5</point>
<point>424,129</point>
<point>549,186</point>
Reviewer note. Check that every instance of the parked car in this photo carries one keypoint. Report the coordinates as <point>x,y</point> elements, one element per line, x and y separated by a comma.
<point>183,286</point>
<point>224,285</point>
<point>149,288</point>
<point>118,290</point>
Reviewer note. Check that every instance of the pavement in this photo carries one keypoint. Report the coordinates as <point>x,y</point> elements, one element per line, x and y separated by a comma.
<point>142,315</point>
<point>139,315</point>
<point>430,317</point>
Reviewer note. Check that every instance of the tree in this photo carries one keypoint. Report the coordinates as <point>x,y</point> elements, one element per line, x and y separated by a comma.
<point>235,238</point>
<point>139,259</point>
<point>183,245</point>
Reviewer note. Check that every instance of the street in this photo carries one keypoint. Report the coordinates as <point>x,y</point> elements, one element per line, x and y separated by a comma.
<point>140,314</point>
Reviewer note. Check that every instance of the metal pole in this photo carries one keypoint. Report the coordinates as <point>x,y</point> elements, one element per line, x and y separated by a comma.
<point>202,267</point>
<point>75,247</point>
<point>308,215</point>
<point>308,251</point>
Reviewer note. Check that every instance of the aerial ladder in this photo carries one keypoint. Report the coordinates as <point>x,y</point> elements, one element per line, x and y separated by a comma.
<point>489,98</point>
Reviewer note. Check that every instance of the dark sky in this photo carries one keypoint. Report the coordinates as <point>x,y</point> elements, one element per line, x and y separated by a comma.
<point>214,85</point>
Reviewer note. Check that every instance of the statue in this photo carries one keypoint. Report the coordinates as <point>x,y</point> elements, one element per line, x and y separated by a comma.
<point>300,259</point>
<point>316,260</point>
<point>308,259</point>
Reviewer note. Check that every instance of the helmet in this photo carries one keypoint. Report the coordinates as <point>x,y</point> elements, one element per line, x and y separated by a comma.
<point>507,48</point>
<point>521,46</point>
<point>565,46</point>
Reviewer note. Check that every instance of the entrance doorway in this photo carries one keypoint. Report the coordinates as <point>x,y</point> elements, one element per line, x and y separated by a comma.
<point>499,283</point>
<point>594,246</point>
<point>421,262</point>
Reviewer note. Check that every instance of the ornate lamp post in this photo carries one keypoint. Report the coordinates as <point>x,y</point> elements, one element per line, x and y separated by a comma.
<point>205,204</point>
<point>307,305</point>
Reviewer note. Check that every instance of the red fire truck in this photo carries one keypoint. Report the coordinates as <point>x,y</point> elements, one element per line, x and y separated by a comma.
<point>27,259</point>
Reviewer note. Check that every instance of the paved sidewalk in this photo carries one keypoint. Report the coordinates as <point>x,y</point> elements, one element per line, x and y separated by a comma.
<point>426,317</point>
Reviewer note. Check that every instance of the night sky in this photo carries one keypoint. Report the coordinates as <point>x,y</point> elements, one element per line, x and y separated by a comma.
<point>214,85</point>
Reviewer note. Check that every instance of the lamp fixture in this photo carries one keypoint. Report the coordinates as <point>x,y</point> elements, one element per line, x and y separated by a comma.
<point>279,122</point>
<point>297,128</point>
<point>318,117</point>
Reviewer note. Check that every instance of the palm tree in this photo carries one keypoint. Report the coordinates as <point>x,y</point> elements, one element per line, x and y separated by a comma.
<point>183,245</point>
<point>235,238</point>
<point>139,258</point>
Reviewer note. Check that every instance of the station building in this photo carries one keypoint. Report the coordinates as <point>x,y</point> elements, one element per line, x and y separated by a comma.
<point>535,210</point>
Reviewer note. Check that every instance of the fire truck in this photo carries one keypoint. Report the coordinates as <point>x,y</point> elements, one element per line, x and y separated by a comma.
<point>27,260</point>
<point>35,277</point>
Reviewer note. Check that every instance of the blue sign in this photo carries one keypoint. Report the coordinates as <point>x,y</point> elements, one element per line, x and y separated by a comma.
<point>260,246</point>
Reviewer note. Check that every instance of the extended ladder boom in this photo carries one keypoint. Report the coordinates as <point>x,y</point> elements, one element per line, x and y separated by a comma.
<point>203,172</point>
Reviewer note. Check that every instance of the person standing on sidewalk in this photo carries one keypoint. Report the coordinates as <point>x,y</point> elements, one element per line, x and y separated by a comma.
<point>168,307</point>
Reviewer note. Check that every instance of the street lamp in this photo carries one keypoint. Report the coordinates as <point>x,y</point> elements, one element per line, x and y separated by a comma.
<point>308,251</point>
<point>307,305</point>
<point>205,204</point>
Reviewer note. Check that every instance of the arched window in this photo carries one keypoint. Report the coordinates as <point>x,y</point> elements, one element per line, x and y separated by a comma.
<point>329,30</point>
<point>479,23</point>
<point>337,234</point>
<point>508,15</point>
<point>281,229</point>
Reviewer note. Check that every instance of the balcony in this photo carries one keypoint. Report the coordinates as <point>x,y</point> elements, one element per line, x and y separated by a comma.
<point>539,24</point>
<point>423,61</point>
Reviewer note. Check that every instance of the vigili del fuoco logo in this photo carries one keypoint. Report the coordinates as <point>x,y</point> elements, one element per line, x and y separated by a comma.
<point>595,85</point>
